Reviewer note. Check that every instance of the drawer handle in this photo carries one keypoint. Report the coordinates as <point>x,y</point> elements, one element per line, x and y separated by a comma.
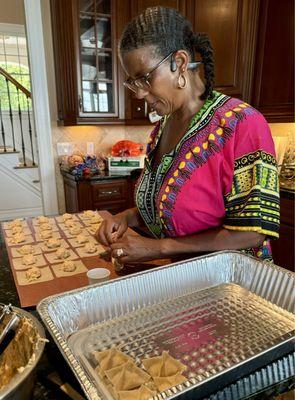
<point>109,192</point>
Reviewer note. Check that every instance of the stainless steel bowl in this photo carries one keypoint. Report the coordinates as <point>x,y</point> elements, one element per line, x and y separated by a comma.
<point>21,385</point>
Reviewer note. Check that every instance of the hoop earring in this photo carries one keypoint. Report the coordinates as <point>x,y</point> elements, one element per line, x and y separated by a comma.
<point>184,81</point>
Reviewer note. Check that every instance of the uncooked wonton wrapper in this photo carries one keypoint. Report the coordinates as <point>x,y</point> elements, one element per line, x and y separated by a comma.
<point>127,376</point>
<point>143,393</point>
<point>163,366</point>
<point>109,359</point>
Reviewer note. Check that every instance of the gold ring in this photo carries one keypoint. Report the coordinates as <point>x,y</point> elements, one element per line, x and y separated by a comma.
<point>120,252</point>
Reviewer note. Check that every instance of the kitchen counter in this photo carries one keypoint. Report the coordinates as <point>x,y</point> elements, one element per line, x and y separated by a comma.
<point>101,176</point>
<point>52,360</point>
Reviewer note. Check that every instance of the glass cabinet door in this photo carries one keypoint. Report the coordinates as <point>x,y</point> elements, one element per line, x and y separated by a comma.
<point>96,58</point>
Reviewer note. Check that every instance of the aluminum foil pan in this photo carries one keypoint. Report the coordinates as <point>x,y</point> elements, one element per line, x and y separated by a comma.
<point>246,305</point>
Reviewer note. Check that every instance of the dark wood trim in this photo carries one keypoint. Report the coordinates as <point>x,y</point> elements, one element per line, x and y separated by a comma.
<point>273,78</point>
<point>15,82</point>
<point>249,31</point>
<point>245,53</point>
<point>190,11</point>
<point>65,60</point>
<point>259,61</point>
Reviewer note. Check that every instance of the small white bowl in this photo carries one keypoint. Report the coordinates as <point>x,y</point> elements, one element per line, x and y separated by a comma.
<point>97,275</point>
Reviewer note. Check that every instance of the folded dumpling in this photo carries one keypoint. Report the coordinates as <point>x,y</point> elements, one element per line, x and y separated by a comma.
<point>127,376</point>
<point>166,382</point>
<point>143,393</point>
<point>163,365</point>
<point>110,358</point>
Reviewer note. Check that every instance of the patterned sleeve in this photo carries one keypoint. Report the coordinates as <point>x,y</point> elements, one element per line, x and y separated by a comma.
<point>253,204</point>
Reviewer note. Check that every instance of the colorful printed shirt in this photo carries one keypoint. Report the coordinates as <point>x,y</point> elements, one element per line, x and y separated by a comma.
<point>222,173</point>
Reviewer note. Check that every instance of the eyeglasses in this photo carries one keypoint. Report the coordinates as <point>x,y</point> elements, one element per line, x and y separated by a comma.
<point>143,81</point>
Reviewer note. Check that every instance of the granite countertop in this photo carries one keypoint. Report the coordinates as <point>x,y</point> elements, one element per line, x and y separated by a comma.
<point>52,360</point>
<point>102,175</point>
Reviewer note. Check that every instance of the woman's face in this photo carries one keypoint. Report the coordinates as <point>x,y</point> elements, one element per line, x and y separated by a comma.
<point>163,94</point>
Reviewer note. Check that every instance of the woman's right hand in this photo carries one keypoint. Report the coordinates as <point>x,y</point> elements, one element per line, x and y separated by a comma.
<point>115,223</point>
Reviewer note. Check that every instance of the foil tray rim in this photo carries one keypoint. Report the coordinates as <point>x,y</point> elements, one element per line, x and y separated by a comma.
<point>61,341</point>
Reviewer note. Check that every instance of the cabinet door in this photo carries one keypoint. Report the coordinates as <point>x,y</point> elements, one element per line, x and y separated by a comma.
<point>97,59</point>
<point>140,5</point>
<point>231,27</point>
<point>273,88</point>
<point>86,61</point>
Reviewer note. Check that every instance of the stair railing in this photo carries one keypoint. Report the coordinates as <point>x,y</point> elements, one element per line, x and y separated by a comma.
<point>19,88</point>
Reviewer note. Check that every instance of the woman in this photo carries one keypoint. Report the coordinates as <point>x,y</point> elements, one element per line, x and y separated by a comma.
<point>210,181</point>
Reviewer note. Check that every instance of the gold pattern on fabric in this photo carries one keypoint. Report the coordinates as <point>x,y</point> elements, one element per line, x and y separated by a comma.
<point>253,202</point>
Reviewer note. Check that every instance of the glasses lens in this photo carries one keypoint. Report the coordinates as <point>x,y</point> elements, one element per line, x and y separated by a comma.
<point>141,83</point>
<point>130,86</point>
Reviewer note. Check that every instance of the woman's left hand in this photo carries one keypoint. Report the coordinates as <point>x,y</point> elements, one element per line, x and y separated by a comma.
<point>135,249</point>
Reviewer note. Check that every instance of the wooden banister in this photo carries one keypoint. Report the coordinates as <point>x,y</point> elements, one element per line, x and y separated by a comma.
<point>15,82</point>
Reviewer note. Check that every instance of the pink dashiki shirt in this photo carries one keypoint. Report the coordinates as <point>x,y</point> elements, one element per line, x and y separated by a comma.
<point>223,172</point>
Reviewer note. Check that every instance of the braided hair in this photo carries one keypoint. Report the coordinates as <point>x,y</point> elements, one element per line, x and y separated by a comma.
<point>168,31</point>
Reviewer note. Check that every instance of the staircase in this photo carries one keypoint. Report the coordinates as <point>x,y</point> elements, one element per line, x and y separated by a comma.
<point>19,175</point>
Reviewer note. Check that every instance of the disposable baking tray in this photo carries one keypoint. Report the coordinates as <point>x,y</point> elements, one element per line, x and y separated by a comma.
<point>223,315</point>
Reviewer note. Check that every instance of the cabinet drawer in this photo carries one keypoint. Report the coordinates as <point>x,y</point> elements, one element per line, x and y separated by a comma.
<point>115,190</point>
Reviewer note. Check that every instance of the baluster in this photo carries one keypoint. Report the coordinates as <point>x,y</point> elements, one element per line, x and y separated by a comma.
<point>10,114</point>
<point>21,129</point>
<point>30,132</point>
<point>2,128</point>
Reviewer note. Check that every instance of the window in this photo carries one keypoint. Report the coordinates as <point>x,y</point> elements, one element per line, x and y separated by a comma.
<point>14,60</point>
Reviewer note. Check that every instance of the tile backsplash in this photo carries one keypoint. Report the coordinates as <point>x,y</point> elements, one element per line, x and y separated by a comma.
<point>103,137</point>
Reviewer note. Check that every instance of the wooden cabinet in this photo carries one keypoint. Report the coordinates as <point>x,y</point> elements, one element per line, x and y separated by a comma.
<point>114,194</point>
<point>283,248</point>
<point>231,26</point>
<point>89,85</point>
<point>254,55</point>
<point>273,78</point>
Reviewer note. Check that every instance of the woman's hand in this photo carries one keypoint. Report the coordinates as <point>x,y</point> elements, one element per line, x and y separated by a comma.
<point>135,249</point>
<point>115,223</point>
<point>118,223</point>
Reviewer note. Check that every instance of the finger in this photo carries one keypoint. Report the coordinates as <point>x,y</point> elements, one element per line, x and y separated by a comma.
<point>99,235</point>
<point>121,230</point>
<point>111,232</point>
<point>102,235</point>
